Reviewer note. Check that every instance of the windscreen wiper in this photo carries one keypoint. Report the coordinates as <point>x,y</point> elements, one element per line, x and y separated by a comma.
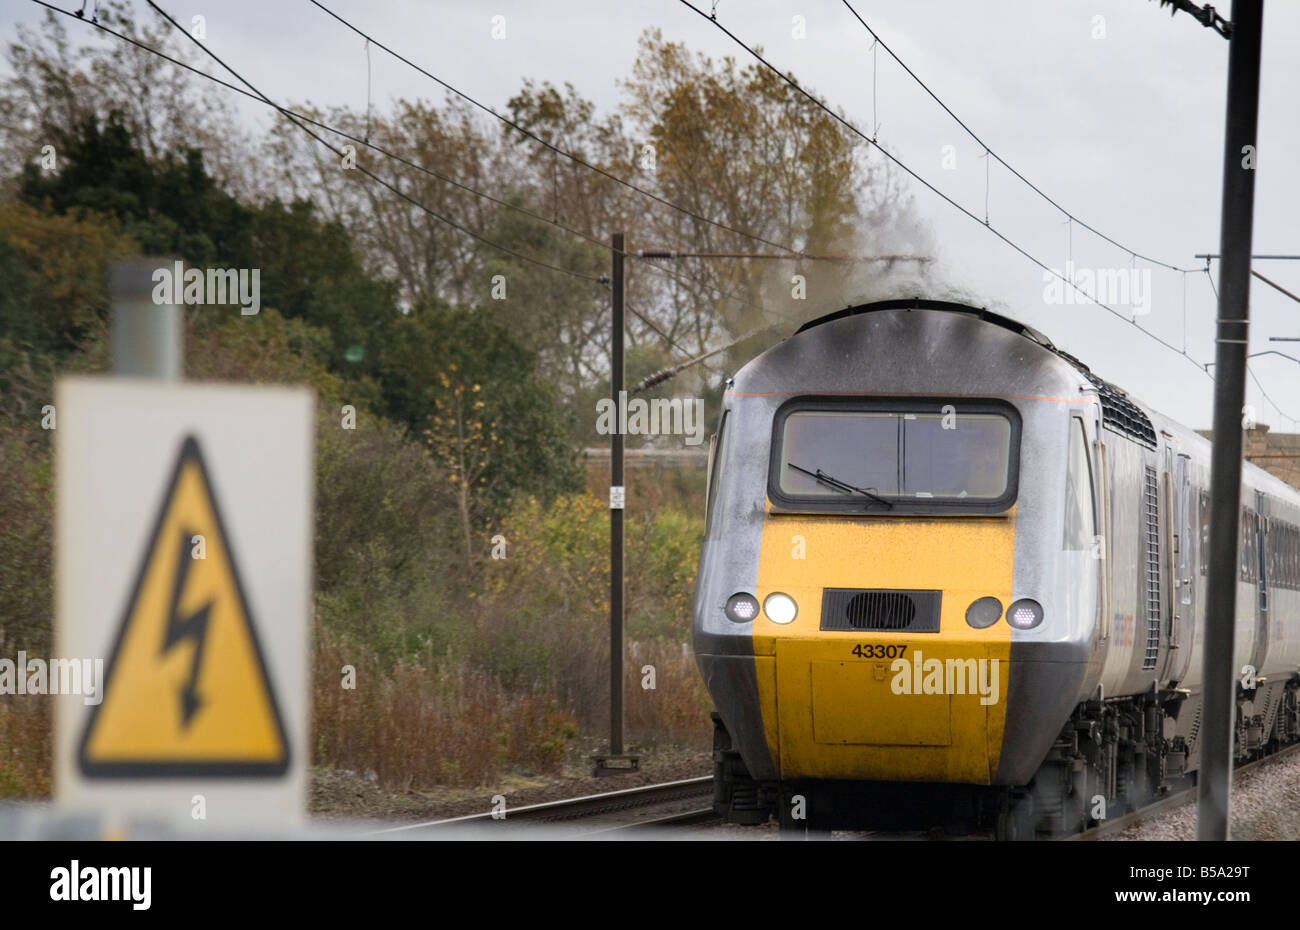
<point>839,485</point>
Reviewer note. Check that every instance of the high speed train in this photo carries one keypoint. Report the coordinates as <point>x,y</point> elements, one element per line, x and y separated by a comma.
<point>953,578</point>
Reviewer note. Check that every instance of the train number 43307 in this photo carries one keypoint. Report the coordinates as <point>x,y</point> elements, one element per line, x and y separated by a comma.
<point>876,651</point>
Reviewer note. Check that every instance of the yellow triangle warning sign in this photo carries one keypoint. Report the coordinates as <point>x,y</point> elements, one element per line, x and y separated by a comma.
<point>187,691</point>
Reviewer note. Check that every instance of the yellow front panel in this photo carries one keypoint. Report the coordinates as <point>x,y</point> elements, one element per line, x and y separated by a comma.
<point>830,713</point>
<point>838,721</point>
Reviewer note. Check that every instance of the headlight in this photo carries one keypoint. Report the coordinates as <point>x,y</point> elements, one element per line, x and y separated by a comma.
<point>742,608</point>
<point>780,608</point>
<point>1025,614</point>
<point>984,612</point>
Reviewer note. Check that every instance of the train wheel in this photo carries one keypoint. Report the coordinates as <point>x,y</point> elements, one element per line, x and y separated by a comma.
<point>1015,819</point>
<point>737,798</point>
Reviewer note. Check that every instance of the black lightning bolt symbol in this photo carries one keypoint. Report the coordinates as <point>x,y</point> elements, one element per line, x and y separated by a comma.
<point>193,626</point>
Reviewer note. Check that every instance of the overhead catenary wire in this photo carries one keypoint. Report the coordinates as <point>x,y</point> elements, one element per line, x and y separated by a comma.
<point>989,153</point>
<point>795,254</point>
<point>576,159</point>
<point>365,171</point>
<point>521,256</point>
<point>925,183</point>
<point>1280,412</point>
<point>1070,217</point>
<point>1184,311</point>
<point>876,40</point>
<point>294,115</point>
<point>720,225</point>
<point>390,187</point>
<point>344,134</point>
<point>662,335</point>
<point>1250,371</point>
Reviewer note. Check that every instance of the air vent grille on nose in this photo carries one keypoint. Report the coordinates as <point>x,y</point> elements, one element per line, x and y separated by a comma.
<point>880,609</point>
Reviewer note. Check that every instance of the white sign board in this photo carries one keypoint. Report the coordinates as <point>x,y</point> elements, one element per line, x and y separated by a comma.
<point>183,588</point>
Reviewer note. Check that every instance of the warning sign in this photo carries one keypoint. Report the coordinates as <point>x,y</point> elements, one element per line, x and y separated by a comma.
<point>183,566</point>
<point>186,689</point>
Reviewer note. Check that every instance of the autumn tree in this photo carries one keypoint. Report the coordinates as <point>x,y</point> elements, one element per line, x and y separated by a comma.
<point>55,86</point>
<point>464,442</point>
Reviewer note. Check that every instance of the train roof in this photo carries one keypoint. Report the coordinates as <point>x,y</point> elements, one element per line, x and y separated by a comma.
<point>1120,412</point>
<point>920,303</point>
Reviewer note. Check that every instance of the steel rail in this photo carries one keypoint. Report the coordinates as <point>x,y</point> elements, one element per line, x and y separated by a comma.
<point>571,809</point>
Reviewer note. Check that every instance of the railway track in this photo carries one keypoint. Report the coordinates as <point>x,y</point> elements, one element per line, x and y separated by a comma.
<point>674,803</point>
<point>689,802</point>
<point>1170,802</point>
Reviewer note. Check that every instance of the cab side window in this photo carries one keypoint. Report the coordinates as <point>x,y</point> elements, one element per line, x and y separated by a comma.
<point>1205,531</point>
<point>1247,546</point>
<point>716,450</point>
<point>1080,511</point>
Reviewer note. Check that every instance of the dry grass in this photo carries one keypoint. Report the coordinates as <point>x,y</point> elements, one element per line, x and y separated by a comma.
<point>677,709</point>
<point>449,723</point>
<point>413,725</point>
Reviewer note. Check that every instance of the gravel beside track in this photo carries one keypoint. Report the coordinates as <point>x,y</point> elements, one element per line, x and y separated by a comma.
<point>1265,806</point>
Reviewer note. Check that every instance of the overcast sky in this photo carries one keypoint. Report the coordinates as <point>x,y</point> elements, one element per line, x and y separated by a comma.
<point>1123,131</point>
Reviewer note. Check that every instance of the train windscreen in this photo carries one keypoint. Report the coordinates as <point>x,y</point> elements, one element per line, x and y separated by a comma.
<point>893,455</point>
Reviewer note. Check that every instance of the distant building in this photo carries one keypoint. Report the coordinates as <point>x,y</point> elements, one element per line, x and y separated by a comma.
<point>1277,453</point>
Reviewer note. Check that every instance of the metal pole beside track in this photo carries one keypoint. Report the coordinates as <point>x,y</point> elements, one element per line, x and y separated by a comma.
<point>616,500</point>
<point>615,761</point>
<point>1238,208</point>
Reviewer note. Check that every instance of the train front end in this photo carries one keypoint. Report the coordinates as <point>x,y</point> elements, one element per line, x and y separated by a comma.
<point>890,510</point>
